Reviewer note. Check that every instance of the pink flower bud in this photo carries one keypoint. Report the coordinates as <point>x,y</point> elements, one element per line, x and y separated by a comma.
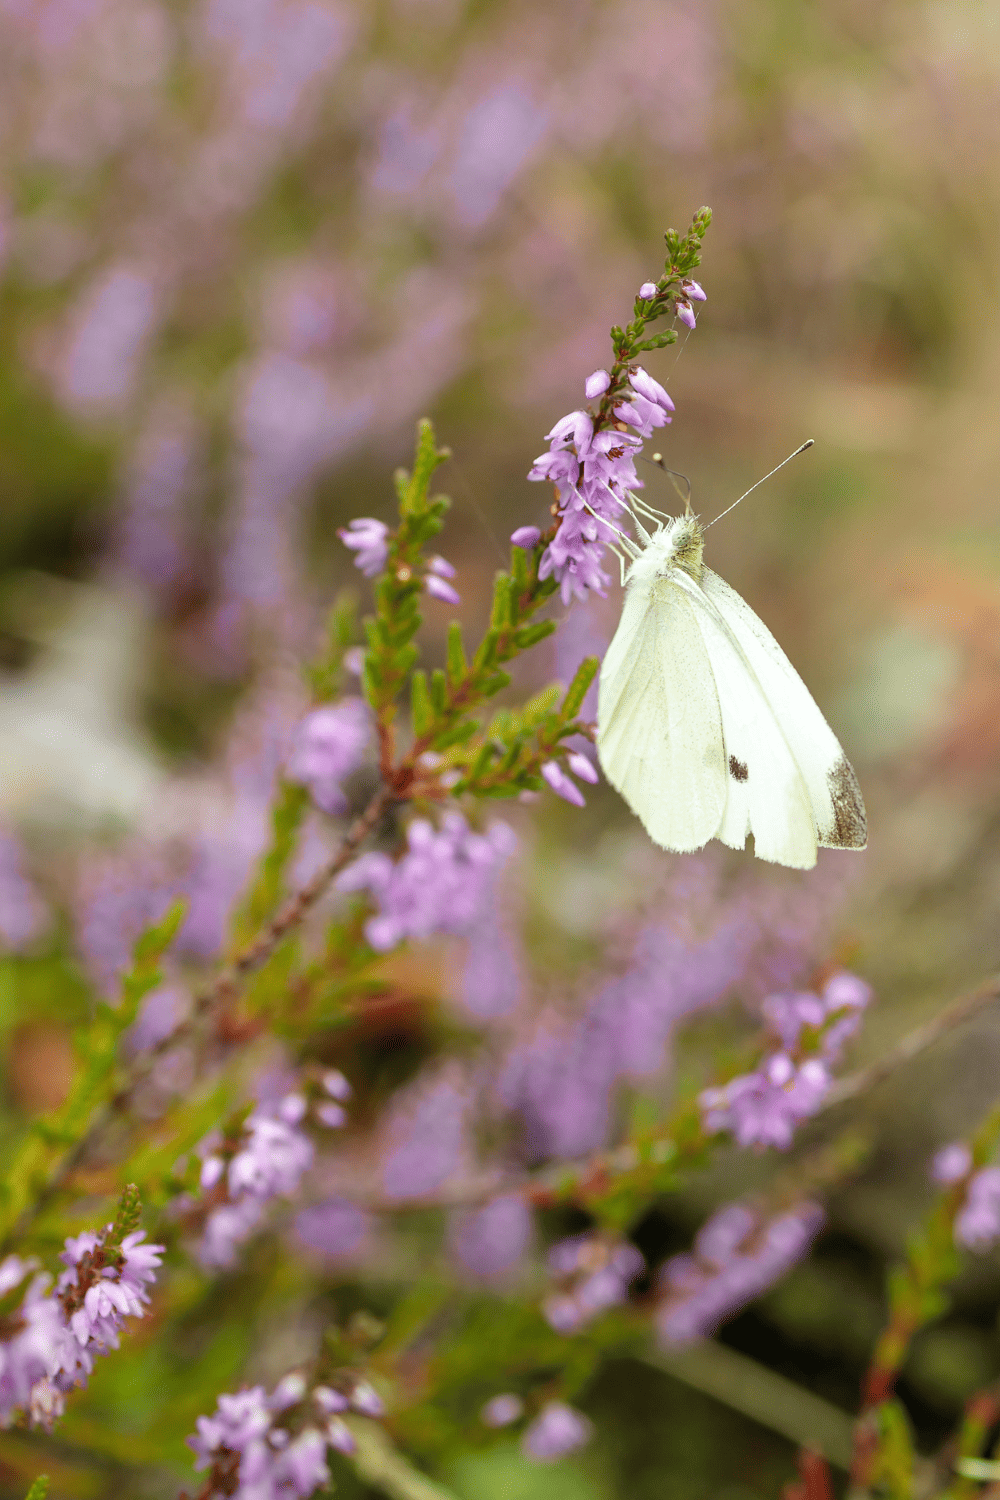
<point>582,767</point>
<point>596,384</point>
<point>561,784</point>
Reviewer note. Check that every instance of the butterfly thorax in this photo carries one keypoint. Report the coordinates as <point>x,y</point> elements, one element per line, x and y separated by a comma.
<point>679,544</point>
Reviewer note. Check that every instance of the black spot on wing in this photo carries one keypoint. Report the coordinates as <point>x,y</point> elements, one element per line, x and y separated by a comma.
<point>850,825</point>
<point>738,769</point>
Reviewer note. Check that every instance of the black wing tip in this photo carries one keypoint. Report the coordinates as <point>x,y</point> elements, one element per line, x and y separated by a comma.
<point>850,824</point>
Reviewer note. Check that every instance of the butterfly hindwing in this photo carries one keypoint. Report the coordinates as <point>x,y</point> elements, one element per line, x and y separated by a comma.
<point>660,739</point>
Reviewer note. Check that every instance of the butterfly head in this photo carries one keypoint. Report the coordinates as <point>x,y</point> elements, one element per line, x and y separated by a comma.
<point>683,543</point>
<point>676,544</point>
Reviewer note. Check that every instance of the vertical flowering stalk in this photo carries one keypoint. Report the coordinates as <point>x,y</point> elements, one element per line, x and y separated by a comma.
<point>590,461</point>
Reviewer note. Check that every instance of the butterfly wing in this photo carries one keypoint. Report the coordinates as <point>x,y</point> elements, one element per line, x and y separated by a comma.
<point>659,724</point>
<point>834,794</point>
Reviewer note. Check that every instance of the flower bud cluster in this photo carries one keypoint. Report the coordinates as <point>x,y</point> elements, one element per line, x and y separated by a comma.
<point>369,539</point>
<point>48,1340</point>
<point>977,1222</point>
<point>240,1175</point>
<point>594,1273</point>
<point>736,1257</point>
<point>439,885</point>
<point>329,744</point>
<point>763,1108</point>
<point>260,1446</point>
<point>592,471</point>
<point>558,1429</point>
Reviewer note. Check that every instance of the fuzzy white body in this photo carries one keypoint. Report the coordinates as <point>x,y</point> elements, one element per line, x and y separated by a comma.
<point>705,727</point>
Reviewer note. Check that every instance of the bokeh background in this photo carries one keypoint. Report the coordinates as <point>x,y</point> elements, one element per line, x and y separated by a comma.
<point>244,244</point>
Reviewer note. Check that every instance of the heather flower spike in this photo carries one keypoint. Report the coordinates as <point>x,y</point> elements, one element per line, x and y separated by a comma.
<point>590,462</point>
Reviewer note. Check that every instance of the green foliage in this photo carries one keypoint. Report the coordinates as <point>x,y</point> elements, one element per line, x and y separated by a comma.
<point>39,1489</point>
<point>35,1171</point>
<point>325,675</point>
<point>268,885</point>
<point>892,1472</point>
<point>391,654</point>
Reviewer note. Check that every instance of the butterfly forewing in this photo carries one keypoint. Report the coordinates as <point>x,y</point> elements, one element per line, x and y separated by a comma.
<point>660,737</point>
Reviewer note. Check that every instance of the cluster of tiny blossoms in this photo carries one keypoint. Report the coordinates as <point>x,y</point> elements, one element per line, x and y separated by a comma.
<point>49,1340</point>
<point>977,1222</point>
<point>369,540</point>
<point>558,1429</point>
<point>439,885</point>
<point>736,1257</point>
<point>266,1160</point>
<point>329,744</point>
<point>590,461</point>
<point>592,472</point>
<point>593,1273</point>
<point>763,1108</point>
<point>260,1447</point>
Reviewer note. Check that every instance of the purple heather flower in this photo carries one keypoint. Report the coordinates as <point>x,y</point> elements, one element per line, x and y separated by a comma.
<point>330,1401</point>
<point>842,999</point>
<point>491,1240</point>
<point>340,1437</point>
<point>33,1348</point>
<point>288,1392</point>
<point>436,584</point>
<point>977,1224</point>
<point>951,1163</point>
<point>526,537</point>
<point>595,385</point>
<point>426,1135</point>
<point>500,1411</point>
<point>582,766</point>
<point>693,291</point>
<point>336,1227</point>
<point>336,1085</point>
<point>594,1275</point>
<point>270,1162</point>
<point>303,1464</point>
<point>591,474</point>
<point>557,1430</point>
<point>272,1462</point>
<point>272,1159</point>
<point>735,1259</point>
<point>561,784</point>
<point>331,1115</point>
<point>649,406</point>
<point>648,290</point>
<point>365,1399</point>
<point>329,744</point>
<point>685,312</point>
<point>113,1294</point>
<point>367,537</point>
<point>439,885</point>
<point>763,1108</point>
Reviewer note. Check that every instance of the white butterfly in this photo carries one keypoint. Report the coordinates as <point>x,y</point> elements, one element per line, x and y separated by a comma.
<point>703,724</point>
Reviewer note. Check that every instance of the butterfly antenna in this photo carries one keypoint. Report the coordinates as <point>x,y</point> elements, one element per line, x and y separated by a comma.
<point>675,475</point>
<point>807,444</point>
